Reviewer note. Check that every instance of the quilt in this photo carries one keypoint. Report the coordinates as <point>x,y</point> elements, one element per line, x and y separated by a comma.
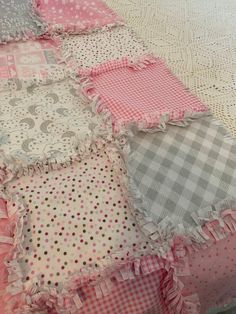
<point>117,185</point>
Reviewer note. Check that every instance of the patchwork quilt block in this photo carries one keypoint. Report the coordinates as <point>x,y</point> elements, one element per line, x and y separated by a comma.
<point>213,274</point>
<point>76,16</point>
<point>74,227</point>
<point>47,124</point>
<point>142,92</point>
<point>18,20</point>
<point>182,173</point>
<point>32,61</point>
<point>88,50</point>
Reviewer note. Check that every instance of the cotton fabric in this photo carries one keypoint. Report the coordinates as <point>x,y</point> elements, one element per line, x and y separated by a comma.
<point>33,59</point>
<point>18,20</point>
<point>76,16</point>
<point>76,218</point>
<point>47,123</point>
<point>184,170</point>
<point>88,50</point>
<point>144,93</point>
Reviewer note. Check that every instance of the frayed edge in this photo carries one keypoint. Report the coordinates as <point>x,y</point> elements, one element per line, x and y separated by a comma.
<point>227,135</point>
<point>213,223</point>
<point>14,168</point>
<point>68,301</point>
<point>172,291</point>
<point>15,222</point>
<point>176,242</point>
<point>60,29</point>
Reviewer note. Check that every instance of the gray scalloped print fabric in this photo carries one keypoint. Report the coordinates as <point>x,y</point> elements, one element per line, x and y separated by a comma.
<point>18,20</point>
<point>46,123</point>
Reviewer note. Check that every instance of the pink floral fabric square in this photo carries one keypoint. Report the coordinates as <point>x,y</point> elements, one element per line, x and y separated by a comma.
<point>76,16</point>
<point>144,93</point>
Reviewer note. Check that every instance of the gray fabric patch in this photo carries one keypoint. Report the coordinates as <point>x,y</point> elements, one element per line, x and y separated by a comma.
<point>184,169</point>
<point>19,21</point>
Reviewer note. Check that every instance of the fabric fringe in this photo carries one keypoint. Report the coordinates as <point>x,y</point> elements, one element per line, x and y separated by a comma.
<point>12,168</point>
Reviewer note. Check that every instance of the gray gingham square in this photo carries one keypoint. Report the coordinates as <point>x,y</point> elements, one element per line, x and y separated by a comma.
<point>182,170</point>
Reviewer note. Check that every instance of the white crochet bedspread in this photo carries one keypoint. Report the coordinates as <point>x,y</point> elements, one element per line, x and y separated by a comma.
<point>197,38</point>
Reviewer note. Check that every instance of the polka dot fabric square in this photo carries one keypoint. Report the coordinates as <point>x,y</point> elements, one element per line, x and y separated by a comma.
<point>144,93</point>
<point>88,50</point>
<point>76,16</point>
<point>76,218</point>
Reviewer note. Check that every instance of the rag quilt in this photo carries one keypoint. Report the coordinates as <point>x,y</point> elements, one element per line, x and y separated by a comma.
<point>117,185</point>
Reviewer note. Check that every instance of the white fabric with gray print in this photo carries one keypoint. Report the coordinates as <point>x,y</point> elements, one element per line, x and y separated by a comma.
<point>45,122</point>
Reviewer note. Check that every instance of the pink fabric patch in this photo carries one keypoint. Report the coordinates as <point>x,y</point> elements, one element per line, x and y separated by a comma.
<point>133,296</point>
<point>145,93</point>
<point>213,274</point>
<point>75,16</point>
<point>24,60</point>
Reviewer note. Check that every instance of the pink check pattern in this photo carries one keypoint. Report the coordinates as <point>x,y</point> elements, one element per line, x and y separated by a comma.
<point>141,94</point>
<point>138,296</point>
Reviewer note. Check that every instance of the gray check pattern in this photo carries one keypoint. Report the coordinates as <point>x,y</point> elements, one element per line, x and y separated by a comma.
<point>184,169</point>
